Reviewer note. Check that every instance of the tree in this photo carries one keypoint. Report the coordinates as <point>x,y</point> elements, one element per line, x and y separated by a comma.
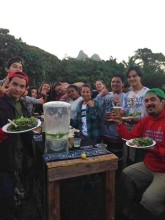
<point>132,61</point>
<point>42,66</point>
<point>153,65</point>
<point>149,59</point>
<point>4,31</point>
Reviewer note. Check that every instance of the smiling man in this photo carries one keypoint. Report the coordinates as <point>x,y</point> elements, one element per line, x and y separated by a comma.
<point>134,99</point>
<point>133,103</point>
<point>15,148</point>
<point>147,176</point>
<point>106,100</point>
<point>14,64</point>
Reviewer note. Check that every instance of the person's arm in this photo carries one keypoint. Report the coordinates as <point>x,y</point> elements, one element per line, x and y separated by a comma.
<point>65,97</point>
<point>34,101</point>
<point>3,86</point>
<point>100,96</point>
<point>136,132</point>
<point>3,135</point>
<point>93,109</point>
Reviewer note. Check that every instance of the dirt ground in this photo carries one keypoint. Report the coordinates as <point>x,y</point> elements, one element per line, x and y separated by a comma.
<point>82,198</point>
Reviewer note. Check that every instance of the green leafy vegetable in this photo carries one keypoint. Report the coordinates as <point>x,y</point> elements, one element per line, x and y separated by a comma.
<point>23,123</point>
<point>56,136</point>
<point>133,115</point>
<point>142,142</point>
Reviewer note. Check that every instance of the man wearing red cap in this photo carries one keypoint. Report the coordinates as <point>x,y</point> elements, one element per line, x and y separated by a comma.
<point>14,148</point>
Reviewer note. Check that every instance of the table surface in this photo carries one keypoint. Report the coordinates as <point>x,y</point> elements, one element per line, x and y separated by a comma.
<point>58,170</point>
<point>94,159</point>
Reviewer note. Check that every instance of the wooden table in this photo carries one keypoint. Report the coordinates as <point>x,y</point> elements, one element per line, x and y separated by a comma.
<point>59,170</point>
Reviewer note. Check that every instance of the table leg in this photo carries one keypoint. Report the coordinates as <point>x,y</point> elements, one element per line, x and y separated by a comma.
<point>54,200</point>
<point>110,195</point>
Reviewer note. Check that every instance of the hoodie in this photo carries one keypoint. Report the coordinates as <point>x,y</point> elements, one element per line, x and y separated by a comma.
<point>152,127</point>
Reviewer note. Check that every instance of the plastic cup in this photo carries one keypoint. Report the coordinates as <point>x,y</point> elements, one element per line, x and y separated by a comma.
<point>117,110</point>
<point>77,142</point>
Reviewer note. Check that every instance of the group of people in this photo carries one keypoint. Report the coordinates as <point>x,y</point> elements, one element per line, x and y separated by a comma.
<point>92,113</point>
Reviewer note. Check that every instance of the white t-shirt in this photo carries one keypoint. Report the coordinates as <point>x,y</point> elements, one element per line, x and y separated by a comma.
<point>74,104</point>
<point>83,118</point>
<point>134,102</point>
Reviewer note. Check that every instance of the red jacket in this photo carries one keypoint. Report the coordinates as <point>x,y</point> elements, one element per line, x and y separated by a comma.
<point>155,129</point>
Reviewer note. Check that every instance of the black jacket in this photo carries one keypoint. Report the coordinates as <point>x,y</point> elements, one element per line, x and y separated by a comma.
<point>10,154</point>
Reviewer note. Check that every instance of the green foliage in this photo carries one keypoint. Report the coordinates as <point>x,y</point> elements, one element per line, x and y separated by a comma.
<point>42,66</point>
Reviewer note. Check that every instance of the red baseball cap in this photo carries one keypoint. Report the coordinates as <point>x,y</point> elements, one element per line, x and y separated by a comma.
<point>19,74</point>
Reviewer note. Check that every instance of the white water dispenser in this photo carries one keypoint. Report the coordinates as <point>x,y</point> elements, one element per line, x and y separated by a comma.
<point>56,124</point>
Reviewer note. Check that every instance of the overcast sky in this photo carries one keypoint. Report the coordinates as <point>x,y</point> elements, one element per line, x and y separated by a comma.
<point>114,28</point>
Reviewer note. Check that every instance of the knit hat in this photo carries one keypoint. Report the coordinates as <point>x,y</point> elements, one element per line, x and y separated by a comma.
<point>156,91</point>
<point>19,74</point>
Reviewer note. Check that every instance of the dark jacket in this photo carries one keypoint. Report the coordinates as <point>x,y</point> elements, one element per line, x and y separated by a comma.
<point>10,155</point>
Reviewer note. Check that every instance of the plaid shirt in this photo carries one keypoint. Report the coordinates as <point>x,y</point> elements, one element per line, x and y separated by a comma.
<point>92,120</point>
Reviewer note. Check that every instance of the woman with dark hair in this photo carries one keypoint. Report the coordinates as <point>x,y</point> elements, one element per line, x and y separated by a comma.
<point>44,92</point>
<point>75,98</point>
<point>55,91</point>
<point>32,92</point>
<point>100,85</point>
<point>59,92</point>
